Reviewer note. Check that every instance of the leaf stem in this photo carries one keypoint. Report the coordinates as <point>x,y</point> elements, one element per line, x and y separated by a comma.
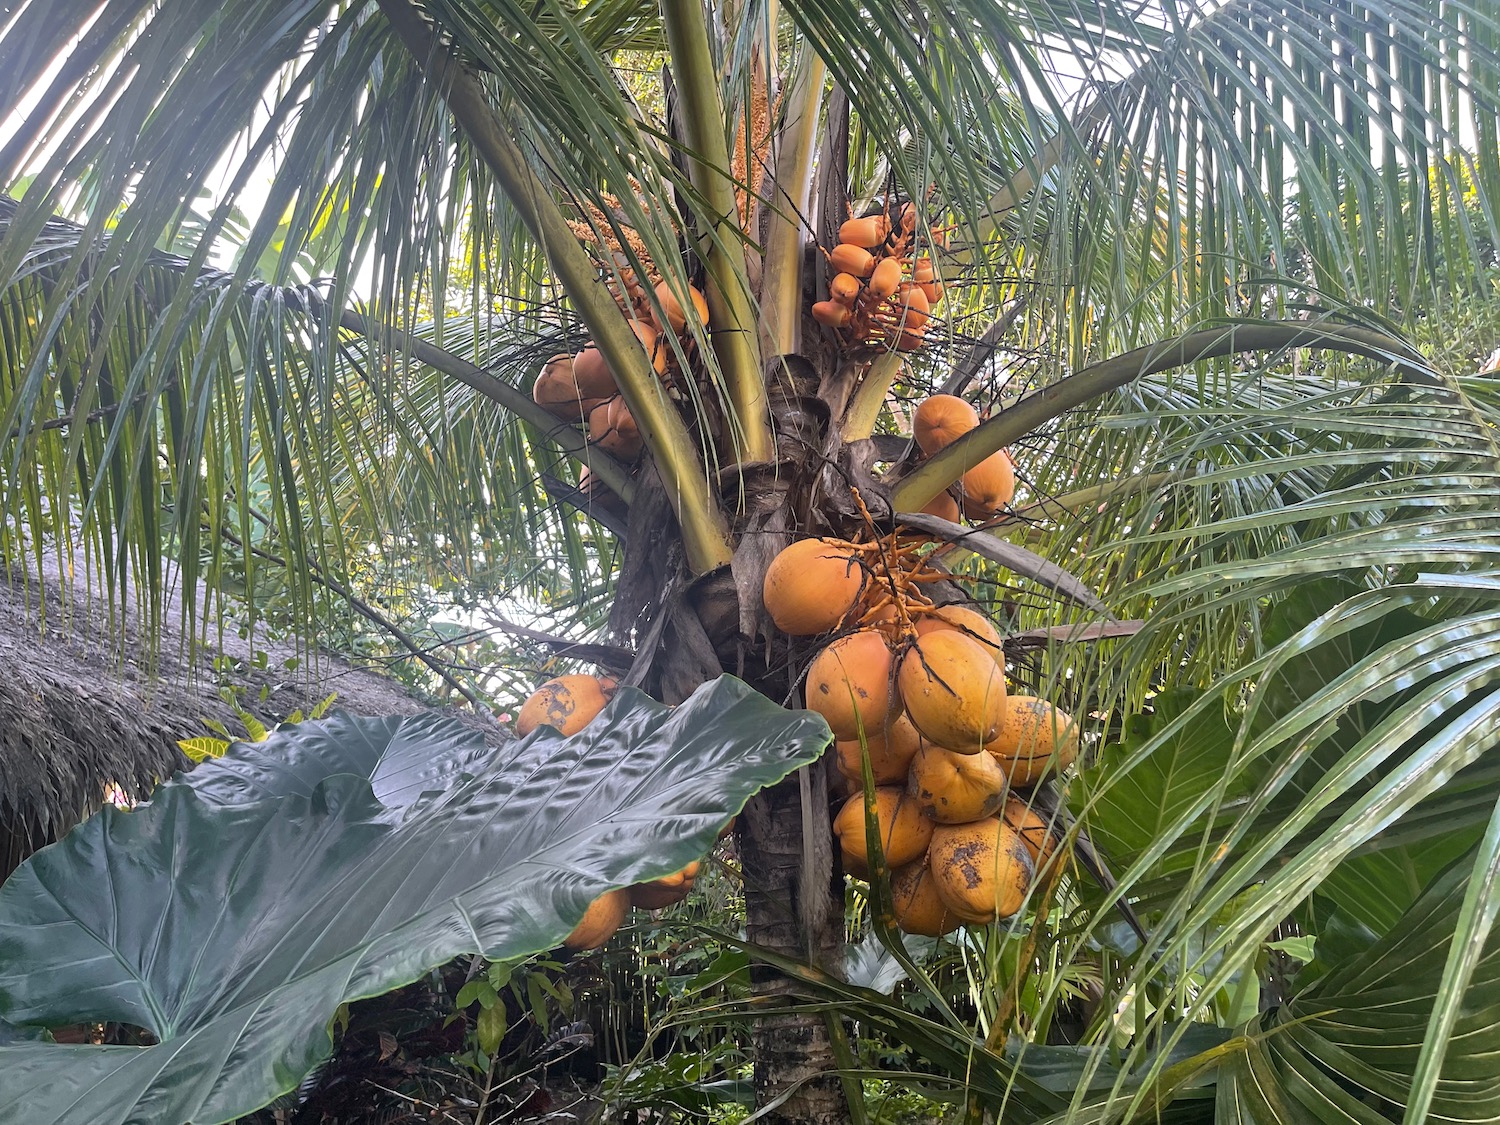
<point>735,340</point>
<point>567,438</point>
<point>1041,407</point>
<point>860,418</point>
<point>781,273</point>
<point>704,531</point>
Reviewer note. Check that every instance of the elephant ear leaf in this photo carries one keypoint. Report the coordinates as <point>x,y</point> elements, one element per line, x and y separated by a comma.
<point>233,932</point>
<point>401,757</point>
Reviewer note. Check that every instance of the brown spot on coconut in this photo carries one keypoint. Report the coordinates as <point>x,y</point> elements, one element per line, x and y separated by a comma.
<point>955,788</point>
<point>600,921</point>
<point>904,831</point>
<point>954,690</point>
<point>1035,740</point>
<point>567,703</point>
<point>850,683</point>
<point>811,586</point>
<point>982,869</point>
<point>916,904</point>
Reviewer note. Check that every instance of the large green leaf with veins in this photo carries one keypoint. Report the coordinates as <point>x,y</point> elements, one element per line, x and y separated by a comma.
<point>232,930</point>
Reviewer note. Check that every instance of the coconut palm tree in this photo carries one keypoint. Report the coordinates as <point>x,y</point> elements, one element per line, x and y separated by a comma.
<point>1180,249</point>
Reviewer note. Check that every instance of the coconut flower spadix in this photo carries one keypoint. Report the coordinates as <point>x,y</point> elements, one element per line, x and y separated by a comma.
<point>850,683</point>
<point>904,831</point>
<point>954,690</point>
<point>811,586</point>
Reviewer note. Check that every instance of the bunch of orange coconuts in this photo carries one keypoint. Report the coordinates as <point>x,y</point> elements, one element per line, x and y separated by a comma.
<point>582,388</point>
<point>570,703</point>
<point>915,692</point>
<point>882,291</point>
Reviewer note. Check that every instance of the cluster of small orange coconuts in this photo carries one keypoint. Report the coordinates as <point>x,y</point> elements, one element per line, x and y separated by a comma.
<point>582,388</point>
<point>984,490</point>
<point>570,703</point>
<point>917,692</point>
<point>882,291</point>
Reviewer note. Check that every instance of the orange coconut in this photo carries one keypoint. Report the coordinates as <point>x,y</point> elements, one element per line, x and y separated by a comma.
<point>592,376</point>
<point>867,232</point>
<point>974,625</point>
<point>831,313</point>
<point>655,347</point>
<point>1033,829</point>
<point>890,751</point>
<point>855,260</point>
<point>953,689</point>
<point>662,893</point>
<point>941,420</point>
<point>844,288</point>
<point>671,307</point>
<point>944,507</point>
<point>1035,739</point>
<point>850,683</point>
<point>917,906</point>
<point>989,486</point>
<point>917,311</point>
<point>885,278</point>
<point>910,339</point>
<point>982,870</point>
<point>556,392</point>
<point>600,920</point>
<point>904,831</point>
<point>612,428</point>
<point>955,788</point>
<point>568,703</point>
<point>811,586</point>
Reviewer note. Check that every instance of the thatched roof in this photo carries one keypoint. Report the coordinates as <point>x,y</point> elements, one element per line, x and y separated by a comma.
<point>79,709</point>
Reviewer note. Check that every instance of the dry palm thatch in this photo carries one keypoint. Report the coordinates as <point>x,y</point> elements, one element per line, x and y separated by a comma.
<point>83,712</point>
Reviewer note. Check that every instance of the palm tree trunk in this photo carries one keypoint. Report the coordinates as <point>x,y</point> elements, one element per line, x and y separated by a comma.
<point>794,906</point>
